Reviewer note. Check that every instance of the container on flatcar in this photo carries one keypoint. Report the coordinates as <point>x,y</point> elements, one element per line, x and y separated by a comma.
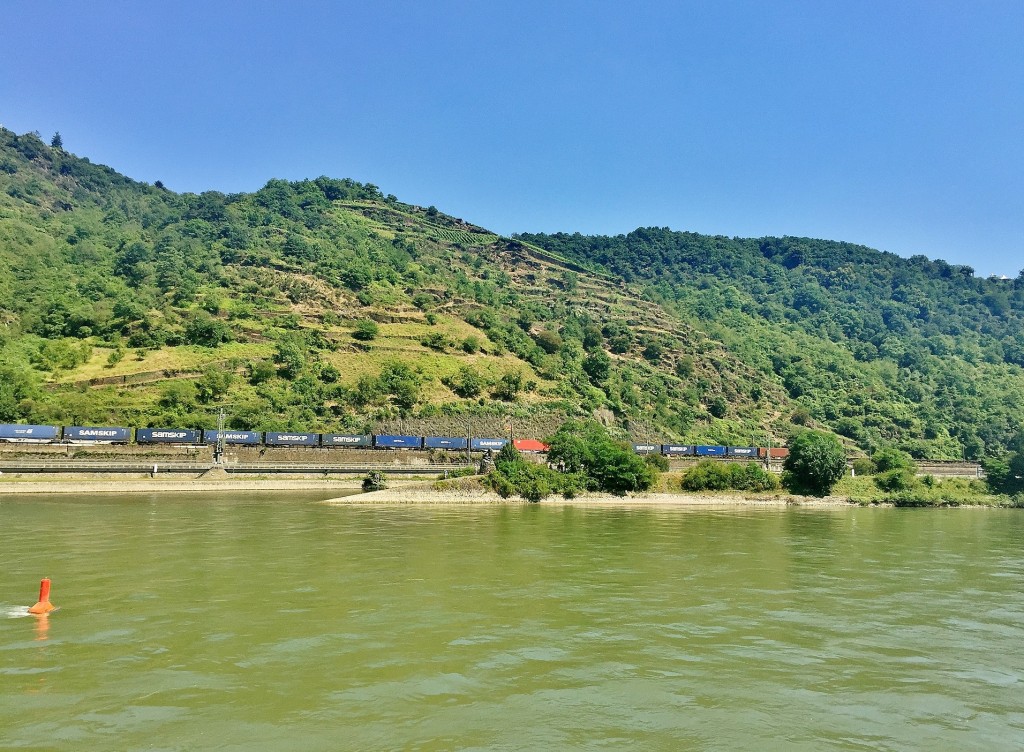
<point>244,438</point>
<point>17,432</point>
<point>709,451</point>
<point>283,438</point>
<point>647,448</point>
<point>98,434</point>
<point>482,444</point>
<point>444,442</point>
<point>391,441</point>
<point>776,453</point>
<point>677,450</point>
<point>346,440</point>
<point>741,451</point>
<point>530,445</point>
<point>166,436</point>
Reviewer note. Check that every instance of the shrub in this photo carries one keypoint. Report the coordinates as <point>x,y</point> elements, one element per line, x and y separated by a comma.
<point>508,387</point>
<point>815,463</point>
<point>467,383</point>
<point>863,466</point>
<point>896,479</point>
<point>375,482</point>
<point>888,458</point>
<point>710,475</point>
<point>261,371</point>
<point>365,330</point>
<point>435,341</point>
<point>206,331</point>
<point>549,341</point>
<point>513,475</point>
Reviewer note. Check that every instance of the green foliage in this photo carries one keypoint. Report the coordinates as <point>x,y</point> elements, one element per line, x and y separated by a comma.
<point>863,466</point>
<point>815,463</point>
<point>290,356</point>
<point>366,330</point>
<point>467,383</point>
<point>471,344</point>
<point>508,387</point>
<point>549,341</point>
<point>909,353</point>
<point>261,371</point>
<point>436,341</point>
<point>586,447</point>
<point>713,475</point>
<point>397,385</point>
<point>1005,475</point>
<point>889,458</point>
<point>213,384</point>
<point>206,331</point>
<point>515,476</point>
<point>17,388</point>
<point>598,366</point>
<point>59,354</point>
<point>896,479</point>
<point>374,482</point>
<point>178,396</point>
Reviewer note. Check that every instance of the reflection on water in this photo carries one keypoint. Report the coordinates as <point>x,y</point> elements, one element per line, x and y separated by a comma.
<point>249,623</point>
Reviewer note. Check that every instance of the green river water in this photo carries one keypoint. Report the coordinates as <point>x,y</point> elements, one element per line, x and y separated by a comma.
<point>278,623</point>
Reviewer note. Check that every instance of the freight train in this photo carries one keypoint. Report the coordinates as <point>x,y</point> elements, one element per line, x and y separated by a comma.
<point>121,435</point>
<point>712,450</point>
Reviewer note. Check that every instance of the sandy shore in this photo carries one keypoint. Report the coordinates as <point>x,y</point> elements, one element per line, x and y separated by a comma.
<point>413,491</point>
<point>85,486</point>
<point>426,493</point>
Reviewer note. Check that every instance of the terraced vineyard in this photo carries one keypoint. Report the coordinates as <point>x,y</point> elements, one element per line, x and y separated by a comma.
<point>324,305</point>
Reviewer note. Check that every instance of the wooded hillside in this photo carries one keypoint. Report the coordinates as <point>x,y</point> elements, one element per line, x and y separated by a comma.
<point>325,305</point>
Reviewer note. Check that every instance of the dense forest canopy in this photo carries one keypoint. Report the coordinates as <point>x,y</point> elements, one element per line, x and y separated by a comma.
<point>324,304</point>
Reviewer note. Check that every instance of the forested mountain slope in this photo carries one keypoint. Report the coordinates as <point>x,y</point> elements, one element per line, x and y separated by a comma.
<point>879,348</point>
<point>326,305</point>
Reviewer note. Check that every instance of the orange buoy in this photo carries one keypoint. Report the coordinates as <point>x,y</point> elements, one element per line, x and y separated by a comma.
<point>43,606</point>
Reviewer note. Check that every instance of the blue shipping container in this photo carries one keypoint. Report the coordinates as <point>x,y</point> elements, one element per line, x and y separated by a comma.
<point>710,451</point>
<point>646,448</point>
<point>482,444</point>
<point>166,436</point>
<point>292,439</point>
<point>677,450</point>
<point>741,451</point>
<point>245,438</point>
<point>346,439</point>
<point>106,434</point>
<point>444,442</point>
<point>18,432</point>
<point>398,442</point>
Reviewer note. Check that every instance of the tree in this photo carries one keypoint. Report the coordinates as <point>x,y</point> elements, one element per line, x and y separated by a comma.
<point>17,386</point>
<point>586,447</point>
<point>206,331</point>
<point>467,383</point>
<point>597,365</point>
<point>508,387</point>
<point>290,355</point>
<point>815,463</point>
<point>513,475</point>
<point>57,142</point>
<point>549,340</point>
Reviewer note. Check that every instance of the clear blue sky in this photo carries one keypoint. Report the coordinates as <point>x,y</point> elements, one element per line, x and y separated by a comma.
<point>899,125</point>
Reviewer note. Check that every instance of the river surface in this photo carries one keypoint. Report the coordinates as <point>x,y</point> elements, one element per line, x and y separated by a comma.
<point>278,623</point>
